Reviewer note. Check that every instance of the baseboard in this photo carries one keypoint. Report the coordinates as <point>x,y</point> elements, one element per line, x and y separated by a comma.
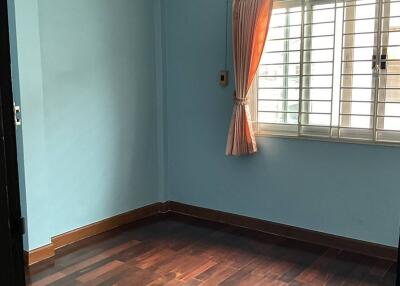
<point>73,236</point>
<point>62,240</point>
<point>39,254</point>
<point>338,242</point>
<point>333,241</point>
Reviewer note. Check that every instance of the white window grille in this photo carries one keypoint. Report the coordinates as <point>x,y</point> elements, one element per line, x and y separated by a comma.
<point>331,69</point>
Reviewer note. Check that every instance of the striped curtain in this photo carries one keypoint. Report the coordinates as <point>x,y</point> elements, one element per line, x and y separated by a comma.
<point>250,28</point>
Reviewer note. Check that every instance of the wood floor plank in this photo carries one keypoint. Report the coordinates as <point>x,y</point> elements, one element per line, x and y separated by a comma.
<point>85,278</point>
<point>218,274</point>
<point>48,279</point>
<point>200,268</point>
<point>319,272</point>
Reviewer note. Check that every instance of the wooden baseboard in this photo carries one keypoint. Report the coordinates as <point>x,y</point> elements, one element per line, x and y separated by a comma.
<point>73,236</point>
<point>39,254</point>
<point>62,240</point>
<point>333,241</point>
<point>338,242</point>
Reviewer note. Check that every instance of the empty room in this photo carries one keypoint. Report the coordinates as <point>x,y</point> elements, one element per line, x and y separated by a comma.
<point>199,142</point>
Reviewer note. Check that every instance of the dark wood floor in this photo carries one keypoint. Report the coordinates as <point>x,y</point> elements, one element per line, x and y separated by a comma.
<point>183,251</point>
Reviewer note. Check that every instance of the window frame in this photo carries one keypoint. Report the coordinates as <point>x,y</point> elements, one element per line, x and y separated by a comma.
<point>357,136</point>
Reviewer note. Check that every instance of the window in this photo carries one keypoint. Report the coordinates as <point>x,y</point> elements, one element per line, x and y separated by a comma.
<point>331,69</point>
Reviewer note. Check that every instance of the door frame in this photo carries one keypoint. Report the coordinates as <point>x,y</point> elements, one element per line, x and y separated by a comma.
<point>10,209</point>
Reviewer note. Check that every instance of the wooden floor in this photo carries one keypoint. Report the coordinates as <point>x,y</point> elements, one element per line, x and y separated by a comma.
<point>182,251</point>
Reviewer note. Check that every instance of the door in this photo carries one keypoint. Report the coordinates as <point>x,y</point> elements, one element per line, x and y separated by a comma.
<point>11,230</point>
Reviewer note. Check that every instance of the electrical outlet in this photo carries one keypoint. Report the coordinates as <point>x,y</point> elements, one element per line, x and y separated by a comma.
<point>223,78</point>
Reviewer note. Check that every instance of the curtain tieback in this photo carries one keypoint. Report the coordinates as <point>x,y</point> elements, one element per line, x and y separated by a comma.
<point>240,101</point>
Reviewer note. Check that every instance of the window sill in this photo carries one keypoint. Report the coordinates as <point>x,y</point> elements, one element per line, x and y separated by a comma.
<point>326,139</point>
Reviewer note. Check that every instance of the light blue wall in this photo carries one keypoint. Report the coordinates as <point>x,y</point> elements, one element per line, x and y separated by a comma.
<point>87,76</point>
<point>342,189</point>
<point>28,91</point>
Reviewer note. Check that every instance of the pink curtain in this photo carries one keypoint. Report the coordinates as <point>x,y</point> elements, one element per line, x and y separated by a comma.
<point>250,28</point>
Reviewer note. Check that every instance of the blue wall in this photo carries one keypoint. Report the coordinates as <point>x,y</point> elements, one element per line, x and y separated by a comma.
<point>87,73</point>
<point>343,189</point>
<point>28,91</point>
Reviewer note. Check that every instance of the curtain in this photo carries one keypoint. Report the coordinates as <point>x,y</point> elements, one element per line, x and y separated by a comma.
<point>250,24</point>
